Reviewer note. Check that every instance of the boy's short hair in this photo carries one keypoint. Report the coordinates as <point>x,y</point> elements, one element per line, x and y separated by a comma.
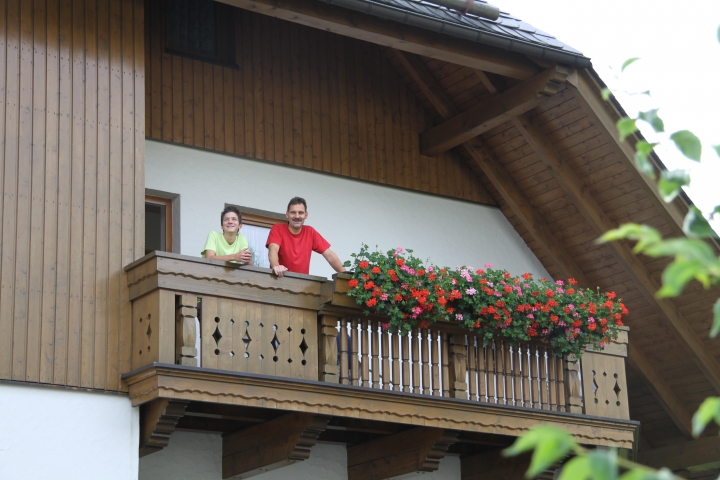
<point>229,209</point>
<point>296,201</point>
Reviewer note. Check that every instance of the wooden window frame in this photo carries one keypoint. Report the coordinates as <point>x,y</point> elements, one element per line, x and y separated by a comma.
<point>225,38</point>
<point>167,203</point>
<point>257,217</point>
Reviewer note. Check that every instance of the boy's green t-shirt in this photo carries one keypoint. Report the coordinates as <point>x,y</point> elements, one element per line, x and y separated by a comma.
<point>217,243</point>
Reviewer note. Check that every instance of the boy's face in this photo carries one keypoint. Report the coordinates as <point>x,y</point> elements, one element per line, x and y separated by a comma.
<point>231,223</point>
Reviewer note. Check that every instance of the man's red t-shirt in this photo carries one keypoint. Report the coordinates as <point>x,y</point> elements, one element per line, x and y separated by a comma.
<point>295,250</point>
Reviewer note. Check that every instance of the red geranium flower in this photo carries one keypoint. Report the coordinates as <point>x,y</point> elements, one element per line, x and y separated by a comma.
<point>363,264</point>
<point>353,283</point>
<point>400,262</point>
<point>369,285</point>
<point>611,295</point>
<point>572,281</point>
<point>375,269</point>
<point>371,302</point>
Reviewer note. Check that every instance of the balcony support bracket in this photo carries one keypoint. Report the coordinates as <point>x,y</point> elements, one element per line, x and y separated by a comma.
<point>416,450</point>
<point>157,422</point>
<point>271,445</point>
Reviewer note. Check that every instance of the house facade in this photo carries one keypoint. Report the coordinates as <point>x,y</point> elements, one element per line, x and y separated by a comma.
<point>128,125</point>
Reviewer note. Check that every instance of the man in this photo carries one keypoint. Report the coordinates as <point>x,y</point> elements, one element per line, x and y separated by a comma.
<point>291,245</point>
<point>229,245</point>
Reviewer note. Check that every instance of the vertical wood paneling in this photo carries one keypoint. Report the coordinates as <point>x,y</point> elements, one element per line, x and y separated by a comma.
<point>72,87</point>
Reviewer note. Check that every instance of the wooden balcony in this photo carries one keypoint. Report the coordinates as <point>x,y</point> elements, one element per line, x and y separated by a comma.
<point>297,350</point>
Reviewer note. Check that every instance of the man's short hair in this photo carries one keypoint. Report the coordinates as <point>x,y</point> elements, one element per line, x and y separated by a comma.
<point>297,201</point>
<point>229,209</point>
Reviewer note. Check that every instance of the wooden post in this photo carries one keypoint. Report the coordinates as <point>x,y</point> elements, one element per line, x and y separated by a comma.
<point>458,353</point>
<point>572,384</point>
<point>344,377</point>
<point>328,349</point>
<point>604,379</point>
<point>186,331</point>
<point>445,364</point>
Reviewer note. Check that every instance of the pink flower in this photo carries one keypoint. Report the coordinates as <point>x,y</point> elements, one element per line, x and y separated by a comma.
<point>562,324</point>
<point>576,314</point>
<point>385,326</point>
<point>530,316</point>
<point>417,310</point>
<point>571,306</point>
<point>430,269</point>
<point>458,317</point>
<point>559,290</point>
<point>454,282</point>
<point>591,320</point>
<point>497,294</point>
<point>384,297</point>
<point>404,286</point>
<point>488,265</point>
<point>471,291</point>
<point>545,331</point>
<point>559,282</point>
<point>398,250</point>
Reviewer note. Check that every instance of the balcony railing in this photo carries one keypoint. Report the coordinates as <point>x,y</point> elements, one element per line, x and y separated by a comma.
<point>305,327</point>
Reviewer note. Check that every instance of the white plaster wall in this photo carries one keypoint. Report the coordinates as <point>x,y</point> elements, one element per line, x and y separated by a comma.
<point>346,212</point>
<point>62,434</point>
<point>195,456</point>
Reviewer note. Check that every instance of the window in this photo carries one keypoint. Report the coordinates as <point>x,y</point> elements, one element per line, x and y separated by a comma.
<point>162,221</point>
<point>256,227</point>
<point>201,29</point>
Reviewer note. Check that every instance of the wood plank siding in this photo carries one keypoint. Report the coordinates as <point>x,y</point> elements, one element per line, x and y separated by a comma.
<point>301,97</point>
<point>72,187</point>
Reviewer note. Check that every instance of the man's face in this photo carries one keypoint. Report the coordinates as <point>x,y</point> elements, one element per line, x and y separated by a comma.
<point>231,223</point>
<point>296,215</point>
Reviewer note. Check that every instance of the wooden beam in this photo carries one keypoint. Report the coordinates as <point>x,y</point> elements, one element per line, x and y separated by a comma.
<point>157,422</point>
<point>392,34</point>
<point>599,221</point>
<point>493,112</point>
<point>662,392</point>
<point>695,453</point>
<point>416,450</point>
<point>492,465</point>
<point>271,445</point>
<point>492,168</point>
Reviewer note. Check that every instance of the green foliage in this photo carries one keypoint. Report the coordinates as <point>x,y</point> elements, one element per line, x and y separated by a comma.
<point>671,182</point>
<point>626,127</point>
<point>716,320</point>
<point>652,118</point>
<point>606,93</point>
<point>628,62</point>
<point>688,144</point>
<point>709,410</point>
<point>695,225</point>
<point>550,445</point>
<point>643,150</point>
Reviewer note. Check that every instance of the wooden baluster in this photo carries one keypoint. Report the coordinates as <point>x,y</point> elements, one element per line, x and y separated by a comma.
<point>365,357</point>
<point>406,362</point>
<point>344,374</point>
<point>500,368</point>
<point>508,375</point>
<point>572,385</point>
<point>445,364</point>
<point>328,371</point>
<point>385,349</point>
<point>542,358</point>
<point>560,370</point>
<point>354,354</point>
<point>424,334</point>
<point>535,370</point>
<point>458,374</point>
<point>517,376</point>
<point>186,331</point>
<point>396,380</point>
<point>472,367</point>
<point>375,335</point>
<point>482,350</point>
<point>416,360</point>
<point>552,381</point>
<point>491,373</point>
<point>527,403</point>
<point>435,362</point>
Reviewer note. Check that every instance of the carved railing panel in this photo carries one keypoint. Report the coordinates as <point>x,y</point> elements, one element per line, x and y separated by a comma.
<point>244,336</point>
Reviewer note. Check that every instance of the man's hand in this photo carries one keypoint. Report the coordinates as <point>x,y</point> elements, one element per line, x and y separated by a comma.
<point>243,256</point>
<point>279,270</point>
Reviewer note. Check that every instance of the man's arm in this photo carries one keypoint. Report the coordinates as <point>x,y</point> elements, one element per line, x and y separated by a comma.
<point>333,260</point>
<point>273,249</point>
<point>243,256</point>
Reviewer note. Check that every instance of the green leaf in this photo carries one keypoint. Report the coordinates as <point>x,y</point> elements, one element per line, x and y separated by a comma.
<point>688,144</point>
<point>689,248</point>
<point>671,182</point>
<point>576,469</point>
<point>635,474</point>
<point>605,93</point>
<point>717,149</point>
<point>644,234</point>
<point>652,118</point>
<point>626,126</point>
<point>643,150</point>
<point>716,320</point>
<point>603,464</point>
<point>550,445</point>
<point>695,224</point>
<point>677,275</point>
<point>346,263</point>
<point>709,410</point>
<point>628,62</point>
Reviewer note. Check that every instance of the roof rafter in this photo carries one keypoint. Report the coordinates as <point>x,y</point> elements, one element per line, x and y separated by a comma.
<point>484,159</point>
<point>366,27</point>
<point>695,453</point>
<point>495,111</point>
